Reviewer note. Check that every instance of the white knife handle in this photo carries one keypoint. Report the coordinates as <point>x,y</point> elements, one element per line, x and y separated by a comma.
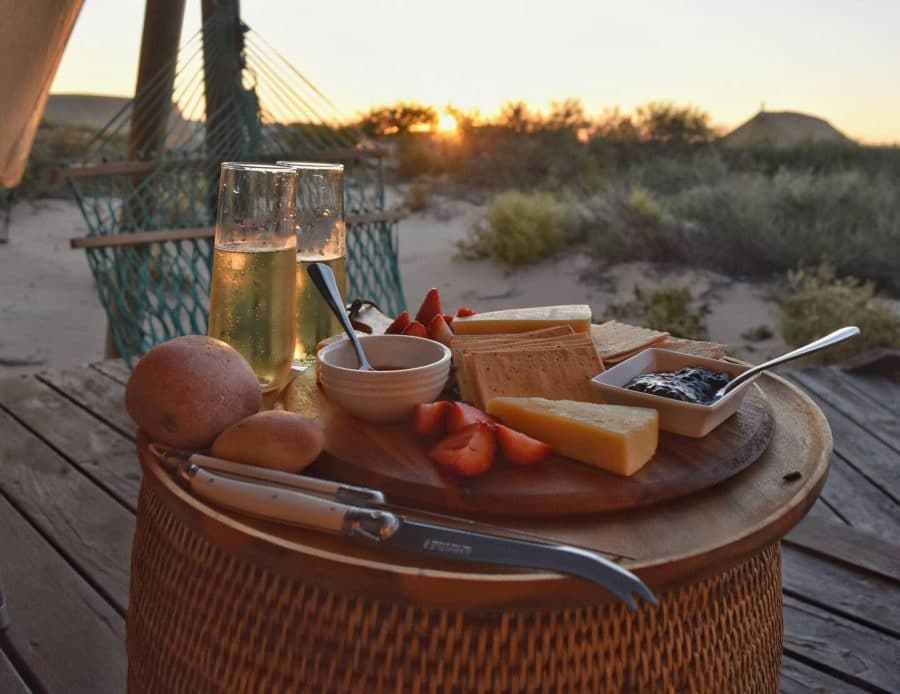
<point>264,501</point>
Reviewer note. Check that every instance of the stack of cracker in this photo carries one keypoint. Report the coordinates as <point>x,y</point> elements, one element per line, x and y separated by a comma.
<point>553,363</point>
<point>616,342</point>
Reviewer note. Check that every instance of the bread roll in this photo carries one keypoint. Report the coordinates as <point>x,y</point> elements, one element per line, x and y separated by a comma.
<point>275,439</point>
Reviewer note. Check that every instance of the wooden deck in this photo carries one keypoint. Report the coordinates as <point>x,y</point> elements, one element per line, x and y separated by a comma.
<point>68,492</point>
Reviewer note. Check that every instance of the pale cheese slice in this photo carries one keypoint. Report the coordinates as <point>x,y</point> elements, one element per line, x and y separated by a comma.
<point>517,320</point>
<point>616,438</point>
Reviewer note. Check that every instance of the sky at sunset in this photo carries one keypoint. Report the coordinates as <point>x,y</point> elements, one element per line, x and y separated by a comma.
<point>837,59</point>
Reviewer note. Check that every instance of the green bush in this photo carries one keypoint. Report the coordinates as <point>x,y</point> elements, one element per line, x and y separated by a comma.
<point>521,228</point>
<point>666,308</point>
<point>819,302</point>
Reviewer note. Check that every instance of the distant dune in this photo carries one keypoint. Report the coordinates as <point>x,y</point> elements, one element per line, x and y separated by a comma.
<point>784,129</point>
<point>91,110</point>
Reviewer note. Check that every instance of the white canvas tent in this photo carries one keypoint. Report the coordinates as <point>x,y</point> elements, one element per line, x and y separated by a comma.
<point>33,36</point>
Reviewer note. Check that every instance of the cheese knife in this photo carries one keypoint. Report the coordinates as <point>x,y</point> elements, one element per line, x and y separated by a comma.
<point>388,529</point>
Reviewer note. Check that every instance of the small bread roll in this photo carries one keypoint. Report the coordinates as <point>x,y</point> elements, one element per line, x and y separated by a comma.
<point>274,439</point>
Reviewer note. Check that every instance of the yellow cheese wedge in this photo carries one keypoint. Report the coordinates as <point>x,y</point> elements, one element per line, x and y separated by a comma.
<point>615,438</point>
<point>518,320</point>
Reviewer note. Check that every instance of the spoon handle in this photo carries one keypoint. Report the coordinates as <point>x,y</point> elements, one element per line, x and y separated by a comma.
<point>831,339</point>
<point>323,277</point>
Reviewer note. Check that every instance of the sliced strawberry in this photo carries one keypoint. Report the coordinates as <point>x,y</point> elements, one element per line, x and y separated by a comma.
<point>416,329</point>
<point>399,324</point>
<point>462,312</point>
<point>439,331</point>
<point>431,417</point>
<point>448,318</point>
<point>520,448</point>
<point>462,415</point>
<point>468,452</point>
<point>430,307</point>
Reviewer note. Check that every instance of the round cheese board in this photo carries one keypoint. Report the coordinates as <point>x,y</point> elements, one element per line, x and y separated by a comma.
<point>393,459</point>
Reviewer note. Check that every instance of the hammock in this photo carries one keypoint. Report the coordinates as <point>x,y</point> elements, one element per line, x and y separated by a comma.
<point>150,217</point>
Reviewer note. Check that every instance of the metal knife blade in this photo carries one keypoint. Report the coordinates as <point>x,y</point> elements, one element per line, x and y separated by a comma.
<point>394,531</point>
<point>475,546</point>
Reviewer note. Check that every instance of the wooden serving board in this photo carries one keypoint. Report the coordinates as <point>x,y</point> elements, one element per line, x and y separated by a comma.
<point>393,459</point>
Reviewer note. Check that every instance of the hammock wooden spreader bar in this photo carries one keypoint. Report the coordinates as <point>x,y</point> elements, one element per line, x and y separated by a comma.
<point>162,235</point>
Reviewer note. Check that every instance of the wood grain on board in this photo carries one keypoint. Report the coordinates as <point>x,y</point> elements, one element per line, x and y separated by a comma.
<point>393,459</point>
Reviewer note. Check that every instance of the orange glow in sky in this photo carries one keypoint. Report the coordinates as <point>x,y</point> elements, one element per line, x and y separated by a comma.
<point>836,59</point>
<point>447,124</point>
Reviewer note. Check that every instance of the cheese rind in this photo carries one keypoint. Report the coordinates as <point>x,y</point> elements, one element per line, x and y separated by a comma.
<point>616,438</point>
<point>517,320</point>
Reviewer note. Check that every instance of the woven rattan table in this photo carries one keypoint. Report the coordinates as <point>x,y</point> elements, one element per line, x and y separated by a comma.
<point>220,603</point>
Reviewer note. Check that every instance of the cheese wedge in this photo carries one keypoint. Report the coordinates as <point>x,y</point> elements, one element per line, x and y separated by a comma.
<point>615,438</point>
<point>518,320</point>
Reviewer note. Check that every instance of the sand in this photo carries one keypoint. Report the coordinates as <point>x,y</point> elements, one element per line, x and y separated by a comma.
<point>50,316</point>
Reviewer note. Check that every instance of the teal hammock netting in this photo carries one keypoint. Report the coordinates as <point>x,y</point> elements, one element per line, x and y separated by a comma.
<point>154,289</point>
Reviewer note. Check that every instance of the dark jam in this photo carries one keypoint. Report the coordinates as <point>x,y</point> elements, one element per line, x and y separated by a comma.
<point>695,384</point>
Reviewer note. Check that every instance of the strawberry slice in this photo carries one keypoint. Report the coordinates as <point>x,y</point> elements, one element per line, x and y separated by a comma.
<point>439,331</point>
<point>520,448</point>
<point>399,324</point>
<point>462,415</point>
<point>462,312</point>
<point>468,452</point>
<point>431,417</point>
<point>416,329</point>
<point>430,307</point>
<point>448,318</point>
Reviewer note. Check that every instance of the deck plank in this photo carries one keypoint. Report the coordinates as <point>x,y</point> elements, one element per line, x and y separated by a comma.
<point>85,524</point>
<point>852,652</point>
<point>116,369</point>
<point>10,682</point>
<point>834,387</point>
<point>100,394</point>
<point>858,595</point>
<point>860,550</point>
<point>859,502</point>
<point>71,639</point>
<point>883,392</point>
<point>800,678</point>
<point>870,455</point>
<point>104,454</point>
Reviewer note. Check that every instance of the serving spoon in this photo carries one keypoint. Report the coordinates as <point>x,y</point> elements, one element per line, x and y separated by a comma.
<point>323,277</point>
<point>831,339</point>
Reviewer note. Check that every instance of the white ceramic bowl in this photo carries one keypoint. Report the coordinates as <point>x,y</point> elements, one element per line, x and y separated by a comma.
<point>685,418</point>
<point>420,371</point>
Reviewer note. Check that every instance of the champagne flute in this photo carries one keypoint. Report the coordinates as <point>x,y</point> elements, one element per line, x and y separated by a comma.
<point>321,238</point>
<point>253,277</point>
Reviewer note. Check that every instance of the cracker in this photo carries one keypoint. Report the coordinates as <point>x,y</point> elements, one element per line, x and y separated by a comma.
<point>696,348</point>
<point>460,345</point>
<point>613,339</point>
<point>555,373</point>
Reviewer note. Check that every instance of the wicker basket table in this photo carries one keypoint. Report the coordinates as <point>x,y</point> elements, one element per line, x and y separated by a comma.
<point>220,603</point>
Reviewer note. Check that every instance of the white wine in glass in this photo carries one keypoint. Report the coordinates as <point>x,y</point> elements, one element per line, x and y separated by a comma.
<point>253,293</point>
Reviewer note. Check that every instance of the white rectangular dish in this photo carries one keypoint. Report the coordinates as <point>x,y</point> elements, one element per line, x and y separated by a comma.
<point>685,418</point>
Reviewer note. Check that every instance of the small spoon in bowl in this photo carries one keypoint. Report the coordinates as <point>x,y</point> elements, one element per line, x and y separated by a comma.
<point>323,277</point>
<point>831,339</point>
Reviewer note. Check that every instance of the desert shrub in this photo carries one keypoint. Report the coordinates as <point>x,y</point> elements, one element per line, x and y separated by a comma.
<point>758,333</point>
<point>418,196</point>
<point>818,302</point>
<point>521,228</point>
<point>753,224</point>
<point>669,309</point>
<point>621,224</point>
